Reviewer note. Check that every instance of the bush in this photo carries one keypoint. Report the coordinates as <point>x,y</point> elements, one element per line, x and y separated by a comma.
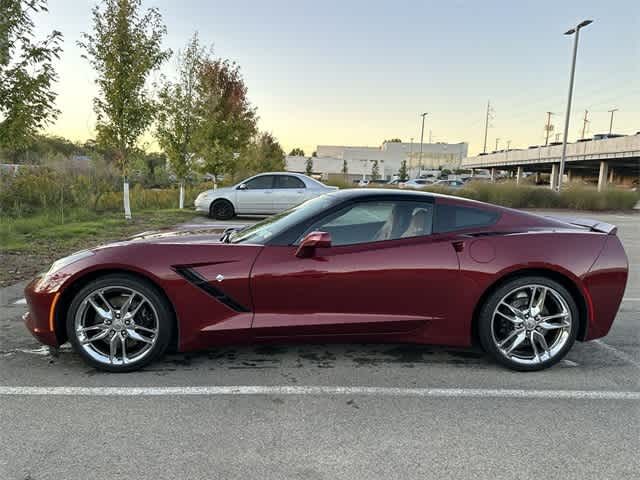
<point>573,196</point>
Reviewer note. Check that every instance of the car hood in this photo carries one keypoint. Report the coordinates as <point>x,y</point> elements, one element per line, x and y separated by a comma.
<point>186,236</point>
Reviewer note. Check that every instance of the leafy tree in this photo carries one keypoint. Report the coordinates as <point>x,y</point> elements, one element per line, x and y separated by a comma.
<point>297,152</point>
<point>27,101</point>
<point>375,170</point>
<point>309,165</point>
<point>345,167</point>
<point>124,48</point>
<point>226,119</point>
<point>264,154</point>
<point>314,154</point>
<point>393,140</point>
<point>403,173</point>
<point>177,114</point>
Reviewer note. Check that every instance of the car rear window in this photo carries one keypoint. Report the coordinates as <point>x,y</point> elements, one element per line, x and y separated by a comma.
<point>450,218</point>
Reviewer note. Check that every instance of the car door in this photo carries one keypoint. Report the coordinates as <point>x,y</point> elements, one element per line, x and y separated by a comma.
<point>288,192</point>
<point>373,280</point>
<point>255,196</point>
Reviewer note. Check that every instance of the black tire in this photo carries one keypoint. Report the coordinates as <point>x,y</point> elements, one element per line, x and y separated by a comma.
<point>485,324</point>
<point>165,320</point>
<point>222,210</point>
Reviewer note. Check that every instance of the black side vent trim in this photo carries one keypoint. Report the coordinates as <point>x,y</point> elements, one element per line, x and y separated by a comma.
<point>199,281</point>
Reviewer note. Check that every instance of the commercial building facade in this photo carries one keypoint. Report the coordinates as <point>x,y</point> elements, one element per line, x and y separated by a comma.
<point>332,160</point>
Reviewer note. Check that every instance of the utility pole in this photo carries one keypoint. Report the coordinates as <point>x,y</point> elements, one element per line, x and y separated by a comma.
<point>497,140</point>
<point>486,126</point>
<point>508,145</point>
<point>612,111</point>
<point>421,142</point>
<point>576,32</point>
<point>548,128</point>
<point>585,121</point>
<point>430,136</point>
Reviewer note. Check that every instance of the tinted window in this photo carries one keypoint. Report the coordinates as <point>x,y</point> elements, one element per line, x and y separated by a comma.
<point>376,221</point>
<point>287,181</point>
<point>451,217</point>
<point>260,183</point>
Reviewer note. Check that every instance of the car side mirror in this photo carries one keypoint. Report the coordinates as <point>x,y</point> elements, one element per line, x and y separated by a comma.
<point>311,242</point>
<point>242,186</point>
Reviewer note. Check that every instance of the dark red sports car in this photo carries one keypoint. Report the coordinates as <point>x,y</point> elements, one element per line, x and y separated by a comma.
<point>355,265</point>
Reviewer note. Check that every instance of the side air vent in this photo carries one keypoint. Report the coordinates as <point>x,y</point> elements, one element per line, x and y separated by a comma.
<point>199,281</point>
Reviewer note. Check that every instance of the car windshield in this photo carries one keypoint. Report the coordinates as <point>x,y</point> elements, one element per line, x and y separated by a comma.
<point>275,225</point>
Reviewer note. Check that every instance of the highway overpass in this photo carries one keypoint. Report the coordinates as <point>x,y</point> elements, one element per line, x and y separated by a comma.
<point>611,160</point>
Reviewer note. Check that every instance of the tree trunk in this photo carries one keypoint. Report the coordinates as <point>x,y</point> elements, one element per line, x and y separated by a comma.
<point>125,192</point>
<point>181,195</point>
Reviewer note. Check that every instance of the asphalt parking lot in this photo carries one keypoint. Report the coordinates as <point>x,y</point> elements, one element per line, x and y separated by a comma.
<point>325,411</point>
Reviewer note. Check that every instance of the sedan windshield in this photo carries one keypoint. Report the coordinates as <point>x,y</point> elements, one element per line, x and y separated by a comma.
<point>268,228</point>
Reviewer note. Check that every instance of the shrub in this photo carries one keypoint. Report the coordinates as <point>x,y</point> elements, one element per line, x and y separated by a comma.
<point>573,196</point>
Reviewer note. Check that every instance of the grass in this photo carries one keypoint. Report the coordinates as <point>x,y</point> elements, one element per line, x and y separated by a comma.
<point>28,245</point>
<point>572,196</point>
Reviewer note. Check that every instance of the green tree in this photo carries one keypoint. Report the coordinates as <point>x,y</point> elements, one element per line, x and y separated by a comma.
<point>297,152</point>
<point>226,119</point>
<point>124,48</point>
<point>309,166</point>
<point>177,113</point>
<point>27,101</point>
<point>393,140</point>
<point>264,154</point>
<point>375,170</point>
<point>403,173</point>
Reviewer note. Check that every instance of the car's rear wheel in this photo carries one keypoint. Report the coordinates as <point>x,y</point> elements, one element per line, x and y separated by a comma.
<point>119,323</point>
<point>529,323</point>
<point>221,210</point>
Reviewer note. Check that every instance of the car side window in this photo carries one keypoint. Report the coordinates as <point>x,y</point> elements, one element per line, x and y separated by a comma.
<point>450,218</point>
<point>365,222</point>
<point>288,181</point>
<point>263,182</point>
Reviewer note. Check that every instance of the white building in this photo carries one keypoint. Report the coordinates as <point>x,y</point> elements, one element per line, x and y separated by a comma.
<point>359,161</point>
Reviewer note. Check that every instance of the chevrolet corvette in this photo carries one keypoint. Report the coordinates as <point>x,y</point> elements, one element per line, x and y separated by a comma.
<point>358,265</point>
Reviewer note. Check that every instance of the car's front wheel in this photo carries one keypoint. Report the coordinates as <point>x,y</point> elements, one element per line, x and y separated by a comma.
<point>119,323</point>
<point>529,323</point>
<point>221,210</point>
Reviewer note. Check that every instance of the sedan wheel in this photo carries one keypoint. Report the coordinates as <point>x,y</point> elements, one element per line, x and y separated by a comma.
<point>119,323</point>
<point>529,324</point>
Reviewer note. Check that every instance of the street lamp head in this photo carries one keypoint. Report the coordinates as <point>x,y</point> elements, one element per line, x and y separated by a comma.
<point>582,24</point>
<point>424,114</point>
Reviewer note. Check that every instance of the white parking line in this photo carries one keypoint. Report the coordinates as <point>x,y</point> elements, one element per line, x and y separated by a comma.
<point>617,353</point>
<point>322,391</point>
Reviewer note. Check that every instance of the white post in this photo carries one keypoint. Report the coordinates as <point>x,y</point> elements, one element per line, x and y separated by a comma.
<point>127,206</point>
<point>554,176</point>
<point>181,205</point>
<point>602,178</point>
<point>518,175</point>
<point>493,175</point>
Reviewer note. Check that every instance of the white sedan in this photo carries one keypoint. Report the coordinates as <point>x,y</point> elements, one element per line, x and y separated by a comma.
<point>262,194</point>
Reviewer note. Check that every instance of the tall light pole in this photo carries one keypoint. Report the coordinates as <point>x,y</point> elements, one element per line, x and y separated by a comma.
<point>612,111</point>
<point>576,31</point>
<point>421,141</point>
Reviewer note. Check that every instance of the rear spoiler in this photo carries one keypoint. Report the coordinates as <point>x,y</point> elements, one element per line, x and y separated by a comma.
<point>593,225</point>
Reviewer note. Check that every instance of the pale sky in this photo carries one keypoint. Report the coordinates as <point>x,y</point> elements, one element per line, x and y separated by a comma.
<point>354,72</point>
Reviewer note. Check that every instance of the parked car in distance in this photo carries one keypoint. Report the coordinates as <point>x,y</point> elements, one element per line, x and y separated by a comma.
<point>417,183</point>
<point>363,182</point>
<point>450,183</point>
<point>263,194</point>
<point>358,265</point>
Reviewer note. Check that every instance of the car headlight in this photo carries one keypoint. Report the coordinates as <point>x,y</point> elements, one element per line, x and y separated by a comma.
<point>74,257</point>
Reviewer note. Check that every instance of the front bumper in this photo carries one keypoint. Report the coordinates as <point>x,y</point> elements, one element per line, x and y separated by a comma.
<point>40,320</point>
<point>202,204</point>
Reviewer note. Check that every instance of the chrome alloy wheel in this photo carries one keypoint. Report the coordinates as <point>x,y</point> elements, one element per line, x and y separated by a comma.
<point>531,324</point>
<point>116,325</point>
